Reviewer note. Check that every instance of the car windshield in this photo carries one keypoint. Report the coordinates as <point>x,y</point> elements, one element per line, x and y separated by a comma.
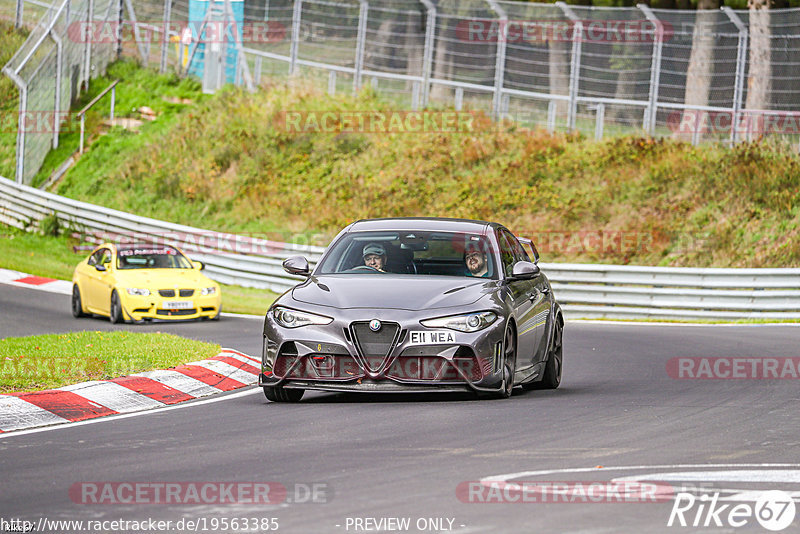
<point>152,258</point>
<point>412,253</point>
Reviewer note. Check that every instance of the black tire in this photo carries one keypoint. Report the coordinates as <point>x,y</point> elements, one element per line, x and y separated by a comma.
<point>115,309</point>
<point>279,394</point>
<point>77,303</point>
<point>555,359</point>
<point>509,362</point>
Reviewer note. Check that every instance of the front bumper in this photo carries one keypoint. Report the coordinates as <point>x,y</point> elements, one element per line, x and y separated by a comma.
<point>337,357</point>
<point>154,306</point>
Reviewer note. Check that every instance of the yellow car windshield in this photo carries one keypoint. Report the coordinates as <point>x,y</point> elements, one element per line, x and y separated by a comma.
<point>152,258</point>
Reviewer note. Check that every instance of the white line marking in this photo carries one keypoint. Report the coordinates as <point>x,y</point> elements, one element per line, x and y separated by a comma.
<point>181,382</point>
<point>113,396</point>
<point>18,413</point>
<point>228,370</point>
<point>109,418</point>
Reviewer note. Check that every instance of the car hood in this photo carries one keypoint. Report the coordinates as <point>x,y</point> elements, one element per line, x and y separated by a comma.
<point>385,291</point>
<point>162,278</point>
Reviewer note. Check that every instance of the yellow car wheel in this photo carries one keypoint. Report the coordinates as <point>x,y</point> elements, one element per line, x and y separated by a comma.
<point>115,311</point>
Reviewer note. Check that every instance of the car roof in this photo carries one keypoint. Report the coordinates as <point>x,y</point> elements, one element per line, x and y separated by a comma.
<point>440,224</point>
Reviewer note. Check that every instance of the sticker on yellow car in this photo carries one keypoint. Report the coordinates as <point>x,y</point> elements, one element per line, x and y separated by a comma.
<point>431,337</point>
<point>177,304</point>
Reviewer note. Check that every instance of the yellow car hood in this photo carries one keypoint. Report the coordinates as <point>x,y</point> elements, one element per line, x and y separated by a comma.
<point>163,278</point>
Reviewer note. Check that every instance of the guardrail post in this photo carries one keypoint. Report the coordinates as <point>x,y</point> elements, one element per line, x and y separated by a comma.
<point>599,121</point>
<point>575,63</point>
<point>113,101</point>
<point>297,12</point>
<point>415,96</point>
<point>18,14</point>
<point>363,13</point>
<point>655,68</point>
<point>165,36</point>
<point>500,58</point>
<point>427,62</point>
<point>459,101</point>
<point>738,86</point>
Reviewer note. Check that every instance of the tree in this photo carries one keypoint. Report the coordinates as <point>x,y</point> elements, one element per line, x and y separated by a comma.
<point>701,61</point>
<point>758,80</point>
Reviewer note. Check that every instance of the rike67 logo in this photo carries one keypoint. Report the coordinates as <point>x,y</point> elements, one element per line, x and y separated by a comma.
<point>773,510</point>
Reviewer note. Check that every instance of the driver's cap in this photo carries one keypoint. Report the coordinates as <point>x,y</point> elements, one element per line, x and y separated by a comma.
<point>375,248</point>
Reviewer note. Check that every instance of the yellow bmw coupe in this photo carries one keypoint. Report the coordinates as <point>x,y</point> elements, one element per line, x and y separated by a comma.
<point>143,282</point>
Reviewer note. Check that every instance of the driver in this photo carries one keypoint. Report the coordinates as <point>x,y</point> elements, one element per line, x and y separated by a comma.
<point>375,256</point>
<point>475,260</point>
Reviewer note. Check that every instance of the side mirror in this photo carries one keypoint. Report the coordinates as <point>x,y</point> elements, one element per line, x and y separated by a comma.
<point>100,267</point>
<point>297,265</point>
<point>199,265</point>
<point>525,270</point>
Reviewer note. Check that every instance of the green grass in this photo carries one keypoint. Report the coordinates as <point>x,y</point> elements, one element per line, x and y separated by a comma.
<point>55,360</point>
<point>53,257</point>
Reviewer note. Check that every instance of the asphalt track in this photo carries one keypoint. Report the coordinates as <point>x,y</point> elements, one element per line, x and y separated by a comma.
<point>405,456</point>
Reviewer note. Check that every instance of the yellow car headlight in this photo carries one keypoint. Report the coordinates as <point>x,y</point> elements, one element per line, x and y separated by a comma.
<point>208,291</point>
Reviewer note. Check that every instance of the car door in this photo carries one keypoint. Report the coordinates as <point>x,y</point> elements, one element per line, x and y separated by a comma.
<point>541,304</point>
<point>519,291</point>
<point>97,290</point>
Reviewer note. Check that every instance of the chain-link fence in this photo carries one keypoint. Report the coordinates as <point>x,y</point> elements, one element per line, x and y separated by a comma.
<point>718,75</point>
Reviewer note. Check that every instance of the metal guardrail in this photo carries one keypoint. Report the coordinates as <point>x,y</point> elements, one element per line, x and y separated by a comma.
<point>591,291</point>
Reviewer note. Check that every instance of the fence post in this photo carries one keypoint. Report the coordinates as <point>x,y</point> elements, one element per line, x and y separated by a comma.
<point>427,61</point>
<point>655,68</point>
<point>551,116</point>
<point>738,86</point>
<point>59,70</point>
<point>18,15</point>
<point>257,70</point>
<point>120,19</point>
<point>296,14</point>
<point>575,62</point>
<point>87,66</point>
<point>332,82</point>
<point>165,37</point>
<point>21,126</point>
<point>363,13</point>
<point>459,98</point>
<point>500,57</point>
<point>599,121</point>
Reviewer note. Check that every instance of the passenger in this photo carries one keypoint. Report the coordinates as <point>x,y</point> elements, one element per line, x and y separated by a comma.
<point>476,263</point>
<point>375,257</point>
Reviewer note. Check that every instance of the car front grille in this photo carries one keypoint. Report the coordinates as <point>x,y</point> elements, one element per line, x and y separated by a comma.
<point>374,346</point>
<point>166,292</point>
<point>186,292</point>
<point>190,311</point>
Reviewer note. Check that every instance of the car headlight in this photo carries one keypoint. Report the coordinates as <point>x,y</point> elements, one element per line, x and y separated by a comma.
<point>138,291</point>
<point>208,291</point>
<point>294,318</point>
<point>469,322</point>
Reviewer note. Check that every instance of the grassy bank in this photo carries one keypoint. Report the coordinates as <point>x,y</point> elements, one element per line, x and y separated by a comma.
<point>53,257</point>
<point>228,163</point>
<point>55,360</point>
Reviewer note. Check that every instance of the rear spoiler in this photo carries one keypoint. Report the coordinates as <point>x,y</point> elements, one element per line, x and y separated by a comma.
<point>526,241</point>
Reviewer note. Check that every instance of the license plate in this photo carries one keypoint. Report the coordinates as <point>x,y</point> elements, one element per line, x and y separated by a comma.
<point>431,337</point>
<point>177,304</point>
